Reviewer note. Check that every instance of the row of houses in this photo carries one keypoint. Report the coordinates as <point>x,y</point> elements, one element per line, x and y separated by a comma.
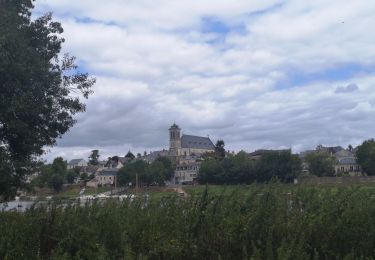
<point>186,152</point>
<point>345,159</point>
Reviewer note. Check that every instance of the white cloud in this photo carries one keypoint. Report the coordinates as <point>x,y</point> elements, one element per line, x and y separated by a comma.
<point>268,84</point>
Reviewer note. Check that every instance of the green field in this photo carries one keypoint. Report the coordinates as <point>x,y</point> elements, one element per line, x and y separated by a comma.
<point>272,221</point>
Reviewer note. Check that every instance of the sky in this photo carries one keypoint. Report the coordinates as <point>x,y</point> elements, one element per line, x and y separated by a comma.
<point>256,73</point>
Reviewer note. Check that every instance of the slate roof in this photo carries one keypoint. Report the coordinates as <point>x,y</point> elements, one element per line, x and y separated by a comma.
<point>333,149</point>
<point>264,151</point>
<point>196,142</point>
<point>109,172</point>
<point>152,156</point>
<point>74,161</point>
<point>347,161</point>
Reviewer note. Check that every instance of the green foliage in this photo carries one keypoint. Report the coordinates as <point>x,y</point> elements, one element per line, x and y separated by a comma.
<point>130,155</point>
<point>56,182</point>
<point>366,156</point>
<point>59,166</point>
<point>245,222</point>
<point>94,157</point>
<point>240,169</point>
<point>70,176</point>
<point>219,149</point>
<point>282,165</point>
<point>38,88</point>
<point>157,172</point>
<point>320,164</point>
<point>47,172</point>
<point>8,182</point>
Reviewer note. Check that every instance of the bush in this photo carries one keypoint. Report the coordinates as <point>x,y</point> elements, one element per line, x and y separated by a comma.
<point>247,222</point>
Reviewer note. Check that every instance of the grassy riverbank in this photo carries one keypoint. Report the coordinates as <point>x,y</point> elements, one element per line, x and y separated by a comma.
<point>259,221</point>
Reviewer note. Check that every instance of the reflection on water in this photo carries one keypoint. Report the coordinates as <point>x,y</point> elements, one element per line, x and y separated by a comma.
<point>19,206</point>
<point>23,205</point>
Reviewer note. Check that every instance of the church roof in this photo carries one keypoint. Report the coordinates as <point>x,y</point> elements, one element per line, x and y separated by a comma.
<point>75,161</point>
<point>197,142</point>
<point>174,126</point>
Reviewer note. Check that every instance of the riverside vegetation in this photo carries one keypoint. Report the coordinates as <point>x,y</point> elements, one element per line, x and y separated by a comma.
<point>273,221</point>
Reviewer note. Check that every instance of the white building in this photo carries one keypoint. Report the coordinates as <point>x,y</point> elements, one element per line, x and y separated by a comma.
<point>77,163</point>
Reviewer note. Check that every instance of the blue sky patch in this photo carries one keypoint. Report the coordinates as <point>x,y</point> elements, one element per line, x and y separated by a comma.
<point>340,72</point>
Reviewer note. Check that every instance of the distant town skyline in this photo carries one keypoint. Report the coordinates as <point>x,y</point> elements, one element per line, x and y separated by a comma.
<point>257,74</point>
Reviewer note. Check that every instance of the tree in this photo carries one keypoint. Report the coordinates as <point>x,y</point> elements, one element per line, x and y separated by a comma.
<point>210,172</point>
<point>39,89</point>
<point>128,173</point>
<point>282,165</point>
<point>168,167</point>
<point>94,157</point>
<point>130,156</point>
<point>70,176</point>
<point>366,156</point>
<point>240,169</point>
<point>158,172</point>
<point>320,163</point>
<point>219,149</point>
<point>56,182</point>
<point>161,170</point>
<point>59,166</point>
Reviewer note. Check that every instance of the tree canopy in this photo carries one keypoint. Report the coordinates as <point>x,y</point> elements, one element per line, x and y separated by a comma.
<point>240,169</point>
<point>320,163</point>
<point>158,172</point>
<point>366,156</point>
<point>94,157</point>
<point>40,89</point>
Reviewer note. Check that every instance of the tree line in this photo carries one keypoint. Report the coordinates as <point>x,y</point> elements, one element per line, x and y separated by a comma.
<point>240,169</point>
<point>217,168</point>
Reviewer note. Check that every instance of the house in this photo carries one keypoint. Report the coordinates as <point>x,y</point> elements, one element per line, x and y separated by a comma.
<point>186,172</point>
<point>91,169</point>
<point>345,160</point>
<point>332,150</point>
<point>346,163</point>
<point>116,162</point>
<point>76,163</point>
<point>152,156</point>
<point>107,177</point>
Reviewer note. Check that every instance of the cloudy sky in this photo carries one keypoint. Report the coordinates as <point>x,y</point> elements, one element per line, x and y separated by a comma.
<point>256,73</point>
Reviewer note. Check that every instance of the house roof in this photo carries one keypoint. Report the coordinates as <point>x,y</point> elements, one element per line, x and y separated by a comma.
<point>75,161</point>
<point>90,169</point>
<point>197,142</point>
<point>154,155</point>
<point>332,150</point>
<point>347,161</point>
<point>344,153</point>
<point>264,151</point>
<point>109,172</point>
<point>174,126</point>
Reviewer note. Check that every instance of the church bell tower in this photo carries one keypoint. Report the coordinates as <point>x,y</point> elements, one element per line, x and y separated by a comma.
<point>174,140</point>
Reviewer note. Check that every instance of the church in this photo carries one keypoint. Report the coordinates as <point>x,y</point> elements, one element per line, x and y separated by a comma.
<point>186,151</point>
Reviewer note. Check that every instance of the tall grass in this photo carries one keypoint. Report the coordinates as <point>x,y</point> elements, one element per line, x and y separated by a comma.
<point>252,222</point>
